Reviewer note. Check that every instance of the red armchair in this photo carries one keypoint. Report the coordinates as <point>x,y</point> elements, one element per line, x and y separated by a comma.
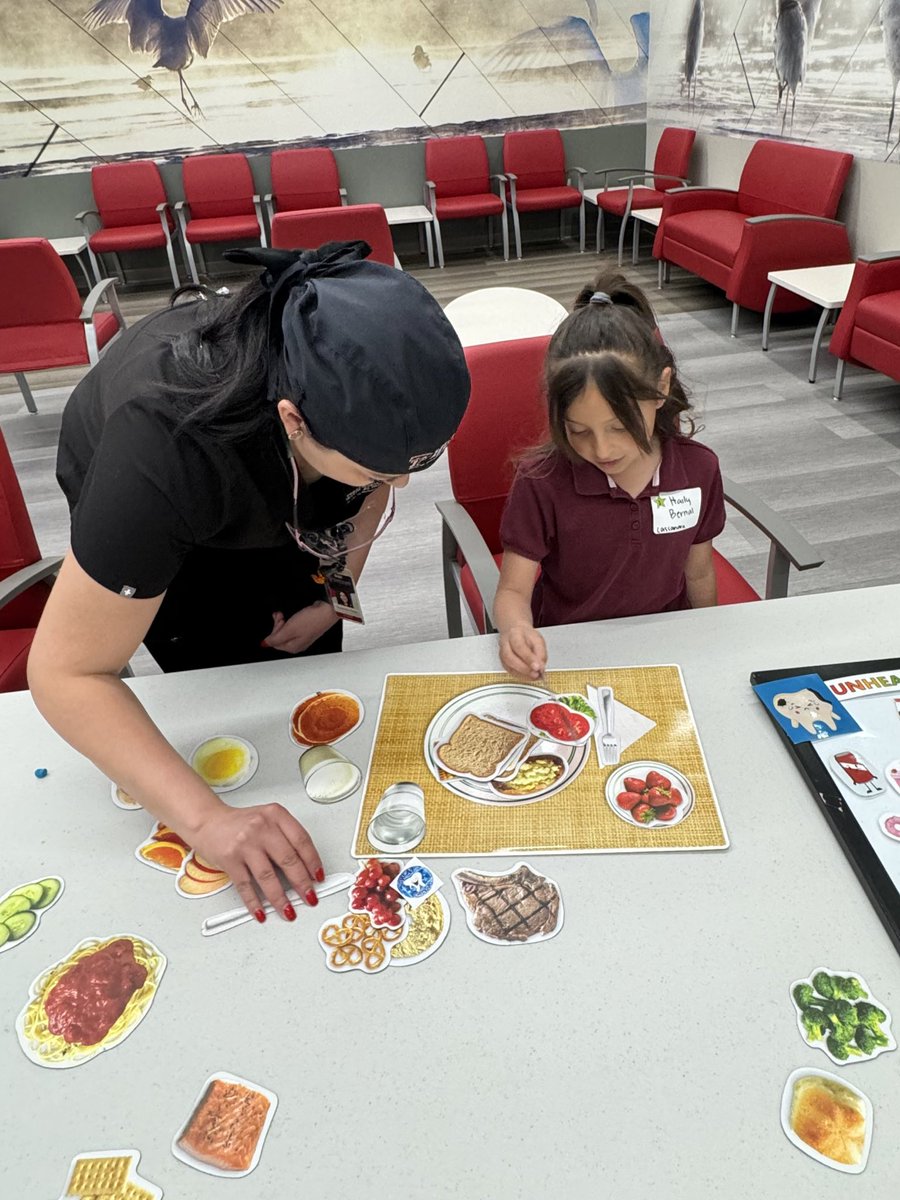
<point>458,185</point>
<point>507,413</point>
<point>670,165</point>
<point>220,204</point>
<point>780,217</point>
<point>23,579</point>
<point>867,331</point>
<point>354,222</point>
<point>534,163</point>
<point>303,179</point>
<point>43,323</point>
<point>132,213</point>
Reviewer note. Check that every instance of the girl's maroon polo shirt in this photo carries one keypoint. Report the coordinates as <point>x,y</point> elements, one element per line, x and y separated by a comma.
<point>598,552</point>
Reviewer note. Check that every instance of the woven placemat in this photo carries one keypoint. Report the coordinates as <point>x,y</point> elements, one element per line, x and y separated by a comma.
<point>577,818</point>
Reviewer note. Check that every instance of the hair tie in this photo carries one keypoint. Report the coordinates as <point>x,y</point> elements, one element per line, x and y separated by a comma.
<point>600,298</point>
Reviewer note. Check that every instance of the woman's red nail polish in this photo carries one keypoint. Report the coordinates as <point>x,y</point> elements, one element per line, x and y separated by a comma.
<point>320,874</point>
<point>311,898</point>
<point>289,912</point>
<point>260,915</point>
<point>264,645</point>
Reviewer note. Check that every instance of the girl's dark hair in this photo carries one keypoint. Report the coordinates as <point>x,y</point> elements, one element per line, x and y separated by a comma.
<point>612,341</point>
<point>222,365</point>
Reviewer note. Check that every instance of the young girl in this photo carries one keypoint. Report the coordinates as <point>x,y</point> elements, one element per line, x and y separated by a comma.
<point>615,516</point>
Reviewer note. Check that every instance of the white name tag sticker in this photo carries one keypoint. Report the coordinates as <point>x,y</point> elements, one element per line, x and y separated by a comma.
<point>674,511</point>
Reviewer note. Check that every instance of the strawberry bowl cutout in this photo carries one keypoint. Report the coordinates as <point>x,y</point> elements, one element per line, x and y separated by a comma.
<point>652,795</point>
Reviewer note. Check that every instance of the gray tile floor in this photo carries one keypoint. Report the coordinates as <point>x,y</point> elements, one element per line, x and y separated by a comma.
<point>832,469</point>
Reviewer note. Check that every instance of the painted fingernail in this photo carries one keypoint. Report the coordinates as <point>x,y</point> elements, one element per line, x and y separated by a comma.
<point>289,913</point>
<point>311,898</point>
<point>260,915</point>
<point>264,644</point>
<point>320,874</point>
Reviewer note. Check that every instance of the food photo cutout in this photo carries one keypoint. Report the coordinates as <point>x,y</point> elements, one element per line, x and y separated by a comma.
<point>108,1175</point>
<point>805,709</point>
<point>511,909</point>
<point>227,1127</point>
<point>397,917</point>
<point>90,1001</point>
<point>838,1014</point>
<point>23,907</point>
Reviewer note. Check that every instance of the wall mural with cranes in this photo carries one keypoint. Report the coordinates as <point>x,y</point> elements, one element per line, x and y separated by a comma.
<point>87,80</point>
<point>824,72</point>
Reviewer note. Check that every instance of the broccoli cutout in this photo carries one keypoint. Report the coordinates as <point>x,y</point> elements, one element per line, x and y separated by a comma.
<point>836,1013</point>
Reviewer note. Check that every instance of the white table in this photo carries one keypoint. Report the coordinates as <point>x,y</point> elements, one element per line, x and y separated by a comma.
<point>825,286</point>
<point>414,214</point>
<point>73,247</point>
<point>649,216</point>
<point>605,1062</point>
<point>502,314</point>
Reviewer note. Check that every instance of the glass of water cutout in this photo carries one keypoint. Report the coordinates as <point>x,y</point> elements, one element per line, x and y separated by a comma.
<point>398,823</point>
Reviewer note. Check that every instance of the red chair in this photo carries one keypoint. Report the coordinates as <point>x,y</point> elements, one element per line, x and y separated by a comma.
<point>43,323</point>
<point>132,213</point>
<point>670,165</point>
<point>780,217</point>
<point>220,204</point>
<point>534,163</point>
<point>354,222</point>
<point>303,179</point>
<point>23,579</point>
<point>867,332</point>
<point>507,414</point>
<point>458,185</point>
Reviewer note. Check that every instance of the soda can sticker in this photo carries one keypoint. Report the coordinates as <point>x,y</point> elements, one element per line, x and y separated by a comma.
<point>852,770</point>
<point>416,883</point>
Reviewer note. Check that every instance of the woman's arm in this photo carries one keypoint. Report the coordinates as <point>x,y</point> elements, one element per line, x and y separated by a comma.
<point>86,636</point>
<point>700,576</point>
<point>522,649</point>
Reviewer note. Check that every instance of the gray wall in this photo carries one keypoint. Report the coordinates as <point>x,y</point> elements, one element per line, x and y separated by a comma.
<point>871,201</point>
<point>44,205</point>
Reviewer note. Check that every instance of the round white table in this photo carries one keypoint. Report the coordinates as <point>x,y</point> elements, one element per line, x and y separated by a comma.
<point>502,314</point>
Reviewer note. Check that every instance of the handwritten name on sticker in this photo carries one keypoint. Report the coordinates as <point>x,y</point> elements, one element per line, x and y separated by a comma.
<point>675,511</point>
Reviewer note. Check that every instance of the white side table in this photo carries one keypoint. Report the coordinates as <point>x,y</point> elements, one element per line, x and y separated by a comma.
<point>414,214</point>
<point>825,286</point>
<point>73,247</point>
<point>503,314</point>
<point>649,216</point>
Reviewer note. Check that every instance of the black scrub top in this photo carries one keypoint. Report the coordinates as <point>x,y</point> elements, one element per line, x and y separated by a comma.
<point>157,509</point>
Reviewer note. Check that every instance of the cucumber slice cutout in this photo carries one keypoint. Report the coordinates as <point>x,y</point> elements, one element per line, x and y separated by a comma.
<point>50,889</point>
<point>34,892</point>
<point>4,935</point>
<point>19,924</point>
<point>16,903</point>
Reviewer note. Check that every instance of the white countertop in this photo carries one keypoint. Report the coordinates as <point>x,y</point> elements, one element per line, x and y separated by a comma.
<point>500,314</point>
<point>641,1053</point>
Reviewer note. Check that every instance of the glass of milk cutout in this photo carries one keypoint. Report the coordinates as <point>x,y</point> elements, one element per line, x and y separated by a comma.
<point>398,823</point>
<point>327,775</point>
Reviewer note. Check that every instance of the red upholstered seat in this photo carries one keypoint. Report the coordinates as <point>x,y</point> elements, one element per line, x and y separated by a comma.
<point>14,647</point>
<point>786,201</point>
<point>128,237</point>
<point>133,210</point>
<point>219,203</point>
<point>458,184</point>
<point>540,199</point>
<point>867,332</point>
<point>880,315</point>
<point>354,222</point>
<point>732,587</point>
<point>40,313</point>
<point>222,229</point>
<point>305,179</point>
<point>535,162</point>
<point>451,208</point>
<point>615,201</point>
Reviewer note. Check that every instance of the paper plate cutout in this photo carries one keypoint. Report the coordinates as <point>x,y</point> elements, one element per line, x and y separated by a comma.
<point>141,964</point>
<point>512,909</point>
<point>643,772</point>
<point>22,907</point>
<point>856,1139</point>
<point>427,931</point>
<point>837,1013</point>
<point>332,714</point>
<point>226,1131</point>
<point>225,761</point>
<point>110,1174</point>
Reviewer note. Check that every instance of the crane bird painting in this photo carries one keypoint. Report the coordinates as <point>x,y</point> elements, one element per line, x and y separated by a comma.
<point>692,47</point>
<point>174,40</point>
<point>790,52</point>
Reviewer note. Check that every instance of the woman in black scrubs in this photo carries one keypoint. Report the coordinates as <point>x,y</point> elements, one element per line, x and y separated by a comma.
<point>221,462</point>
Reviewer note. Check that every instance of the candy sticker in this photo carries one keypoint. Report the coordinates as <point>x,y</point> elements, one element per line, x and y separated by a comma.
<point>22,908</point>
<point>416,883</point>
<point>890,824</point>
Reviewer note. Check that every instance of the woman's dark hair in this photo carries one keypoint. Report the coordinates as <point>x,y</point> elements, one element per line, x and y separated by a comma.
<point>222,365</point>
<point>612,341</point>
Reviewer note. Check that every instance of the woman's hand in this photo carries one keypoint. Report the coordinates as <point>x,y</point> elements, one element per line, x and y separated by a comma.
<point>523,651</point>
<point>298,632</point>
<point>252,845</point>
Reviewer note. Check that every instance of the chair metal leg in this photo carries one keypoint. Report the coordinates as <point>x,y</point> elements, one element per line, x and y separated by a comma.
<point>562,224</point>
<point>452,594</point>
<point>767,315</point>
<point>429,241</point>
<point>438,241</point>
<point>504,225</point>
<point>601,230</point>
<point>189,260</point>
<point>623,226</point>
<point>817,341</point>
<point>839,379</point>
<point>660,274</point>
<point>777,571</point>
<point>581,226</point>
<point>735,316</point>
<point>176,282</point>
<point>95,265</point>
<point>518,232</point>
<point>26,392</point>
<point>490,234</point>
<point>635,242</point>
<point>202,260</point>
<point>84,270</point>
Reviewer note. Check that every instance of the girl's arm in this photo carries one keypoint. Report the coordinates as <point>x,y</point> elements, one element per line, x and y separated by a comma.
<point>522,649</point>
<point>700,576</point>
<point>85,637</point>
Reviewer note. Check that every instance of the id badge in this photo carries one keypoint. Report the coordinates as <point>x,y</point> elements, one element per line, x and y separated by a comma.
<point>341,591</point>
<point>675,511</point>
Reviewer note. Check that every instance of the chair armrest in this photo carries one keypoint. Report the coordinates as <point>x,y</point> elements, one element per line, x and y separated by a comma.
<point>342,192</point>
<point>82,219</point>
<point>267,198</point>
<point>501,181</point>
<point>460,533</point>
<point>430,196</point>
<point>512,180</point>
<point>182,206</point>
<point>580,172</point>
<point>260,219</point>
<point>782,242</point>
<point>96,294</point>
<point>873,273</point>
<point>696,199</point>
<point>163,207</point>
<point>786,544</point>
<point>655,175</point>
<point>20,581</point>
<point>607,171</point>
